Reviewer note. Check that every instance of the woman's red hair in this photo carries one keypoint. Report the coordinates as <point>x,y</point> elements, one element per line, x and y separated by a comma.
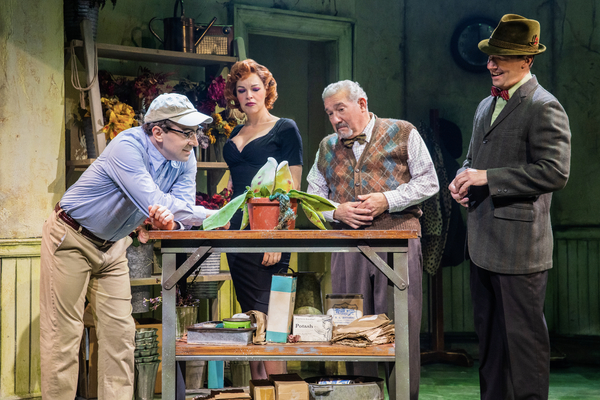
<point>241,70</point>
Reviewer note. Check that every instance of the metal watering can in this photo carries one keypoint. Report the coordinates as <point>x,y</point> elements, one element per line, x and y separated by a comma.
<point>180,32</point>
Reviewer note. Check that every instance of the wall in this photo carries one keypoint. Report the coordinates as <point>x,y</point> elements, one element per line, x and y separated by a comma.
<point>31,176</point>
<point>31,115</point>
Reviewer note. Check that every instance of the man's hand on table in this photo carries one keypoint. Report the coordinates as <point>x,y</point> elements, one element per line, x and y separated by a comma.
<point>161,218</point>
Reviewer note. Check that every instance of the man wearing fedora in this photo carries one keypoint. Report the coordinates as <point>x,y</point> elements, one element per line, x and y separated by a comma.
<point>145,175</point>
<point>519,154</point>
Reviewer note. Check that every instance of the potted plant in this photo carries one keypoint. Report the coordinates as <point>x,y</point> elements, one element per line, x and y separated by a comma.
<point>273,184</point>
<point>186,309</point>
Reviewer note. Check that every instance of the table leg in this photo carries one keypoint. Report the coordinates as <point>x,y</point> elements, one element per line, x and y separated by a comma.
<point>400,376</point>
<point>169,321</point>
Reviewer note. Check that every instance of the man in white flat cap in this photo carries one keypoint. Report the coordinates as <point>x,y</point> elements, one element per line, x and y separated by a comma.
<point>145,175</point>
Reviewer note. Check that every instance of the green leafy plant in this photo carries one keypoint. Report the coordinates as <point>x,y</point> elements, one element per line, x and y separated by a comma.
<point>273,181</point>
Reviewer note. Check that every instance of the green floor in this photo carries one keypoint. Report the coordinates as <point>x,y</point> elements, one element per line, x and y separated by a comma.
<point>447,382</point>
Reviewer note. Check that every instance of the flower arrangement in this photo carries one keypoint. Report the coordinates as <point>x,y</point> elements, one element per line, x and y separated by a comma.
<point>210,100</point>
<point>218,200</point>
<point>148,85</point>
<point>275,182</point>
<point>119,116</point>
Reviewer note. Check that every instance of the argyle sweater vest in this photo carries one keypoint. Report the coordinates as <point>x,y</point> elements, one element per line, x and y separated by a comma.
<point>382,167</point>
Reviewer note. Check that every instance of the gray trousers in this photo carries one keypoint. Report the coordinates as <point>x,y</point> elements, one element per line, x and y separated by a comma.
<point>353,273</point>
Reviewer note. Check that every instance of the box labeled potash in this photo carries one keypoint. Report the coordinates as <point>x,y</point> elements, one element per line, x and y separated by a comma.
<point>312,328</point>
<point>281,307</point>
<point>344,308</point>
<point>289,387</point>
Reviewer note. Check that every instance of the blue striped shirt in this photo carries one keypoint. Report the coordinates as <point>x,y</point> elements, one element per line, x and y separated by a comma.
<point>112,196</point>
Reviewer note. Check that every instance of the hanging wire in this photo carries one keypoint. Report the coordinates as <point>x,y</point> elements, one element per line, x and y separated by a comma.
<point>75,74</point>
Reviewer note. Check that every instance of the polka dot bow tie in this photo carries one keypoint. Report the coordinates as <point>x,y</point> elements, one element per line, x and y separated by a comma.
<point>499,92</point>
<point>362,138</point>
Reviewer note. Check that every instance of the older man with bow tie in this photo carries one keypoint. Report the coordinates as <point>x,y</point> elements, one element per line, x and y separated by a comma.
<point>376,171</point>
<point>519,154</point>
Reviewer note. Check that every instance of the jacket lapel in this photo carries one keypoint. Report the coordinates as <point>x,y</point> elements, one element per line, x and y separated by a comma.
<point>512,104</point>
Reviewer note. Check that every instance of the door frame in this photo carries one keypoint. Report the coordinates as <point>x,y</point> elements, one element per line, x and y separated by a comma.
<point>299,25</point>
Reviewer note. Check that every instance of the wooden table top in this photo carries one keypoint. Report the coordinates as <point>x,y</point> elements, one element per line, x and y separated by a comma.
<point>297,234</point>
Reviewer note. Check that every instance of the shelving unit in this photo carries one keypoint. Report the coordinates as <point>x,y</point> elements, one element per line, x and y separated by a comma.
<point>88,51</point>
<point>157,279</point>
<point>198,245</point>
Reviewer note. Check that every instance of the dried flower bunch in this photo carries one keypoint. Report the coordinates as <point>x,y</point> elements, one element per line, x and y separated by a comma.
<point>148,85</point>
<point>180,301</point>
<point>118,116</point>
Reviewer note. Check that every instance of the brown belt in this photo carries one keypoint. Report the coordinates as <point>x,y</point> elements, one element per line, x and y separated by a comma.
<point>62,214</point>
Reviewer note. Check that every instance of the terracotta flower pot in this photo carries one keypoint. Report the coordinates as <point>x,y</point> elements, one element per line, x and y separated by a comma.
<point>263,214</point>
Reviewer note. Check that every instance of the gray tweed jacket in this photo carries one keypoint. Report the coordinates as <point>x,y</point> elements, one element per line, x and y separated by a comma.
<point>526,153</point>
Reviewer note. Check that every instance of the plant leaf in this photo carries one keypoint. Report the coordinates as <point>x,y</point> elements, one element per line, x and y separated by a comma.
<point>245,217</point>
<point>283,177</point>
<point>222,217</point>
<point>316,202</point>
<point>313,215</point>
<point>265,176</point>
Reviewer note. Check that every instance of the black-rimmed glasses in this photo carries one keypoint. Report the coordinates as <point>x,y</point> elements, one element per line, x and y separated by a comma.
<point>189,134</point>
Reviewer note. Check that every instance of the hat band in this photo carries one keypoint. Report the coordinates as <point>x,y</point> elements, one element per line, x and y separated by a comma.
<point>513,46</point>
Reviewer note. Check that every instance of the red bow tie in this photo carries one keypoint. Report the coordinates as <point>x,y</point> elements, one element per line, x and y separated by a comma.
<point>499,92</point>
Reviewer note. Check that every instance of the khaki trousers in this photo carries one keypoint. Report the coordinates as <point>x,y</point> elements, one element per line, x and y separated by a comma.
<point>73,268</point>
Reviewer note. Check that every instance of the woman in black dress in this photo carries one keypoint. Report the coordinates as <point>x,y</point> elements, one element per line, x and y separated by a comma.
<point>252,89</point>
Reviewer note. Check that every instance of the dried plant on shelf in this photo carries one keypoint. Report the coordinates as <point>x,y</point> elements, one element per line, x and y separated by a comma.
<point>148,85</point>
<point>118,116</point>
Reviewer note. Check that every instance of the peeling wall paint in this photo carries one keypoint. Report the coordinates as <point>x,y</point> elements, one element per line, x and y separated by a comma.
<point>31,115</point>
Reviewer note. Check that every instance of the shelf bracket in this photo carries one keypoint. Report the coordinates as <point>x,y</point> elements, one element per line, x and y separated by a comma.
<point>400,282</point>
<point>197,256</point>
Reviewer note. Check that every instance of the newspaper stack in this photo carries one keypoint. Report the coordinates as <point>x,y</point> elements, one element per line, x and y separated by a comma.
<point>369,330</point>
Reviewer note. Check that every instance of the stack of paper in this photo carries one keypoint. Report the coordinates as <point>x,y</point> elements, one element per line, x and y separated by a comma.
<point>369,330</point>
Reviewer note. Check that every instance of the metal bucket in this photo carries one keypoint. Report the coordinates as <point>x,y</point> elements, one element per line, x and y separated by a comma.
<point>145,380</point>
<point>140,260</point>
<point>345,387</point>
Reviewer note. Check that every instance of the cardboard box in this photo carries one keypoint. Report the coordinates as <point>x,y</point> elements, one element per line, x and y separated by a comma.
<point>230,394</point>
<point>262,389</point>
<point>344,308</point>
<point>281,307</point>
<point>312,328</point>
<point>289,387</point>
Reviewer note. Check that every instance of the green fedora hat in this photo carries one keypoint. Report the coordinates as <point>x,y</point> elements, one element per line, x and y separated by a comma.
<point>514,36</point>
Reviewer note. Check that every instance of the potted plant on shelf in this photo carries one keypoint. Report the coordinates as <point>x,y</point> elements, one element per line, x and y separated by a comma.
<point>272,185</point>
<point>186,309</point>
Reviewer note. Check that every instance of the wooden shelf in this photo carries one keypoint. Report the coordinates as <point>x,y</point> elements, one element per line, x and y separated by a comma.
<point>156,280</point>
<point>285,351</point>
<point>81,165</point>
<point>130,53</point>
